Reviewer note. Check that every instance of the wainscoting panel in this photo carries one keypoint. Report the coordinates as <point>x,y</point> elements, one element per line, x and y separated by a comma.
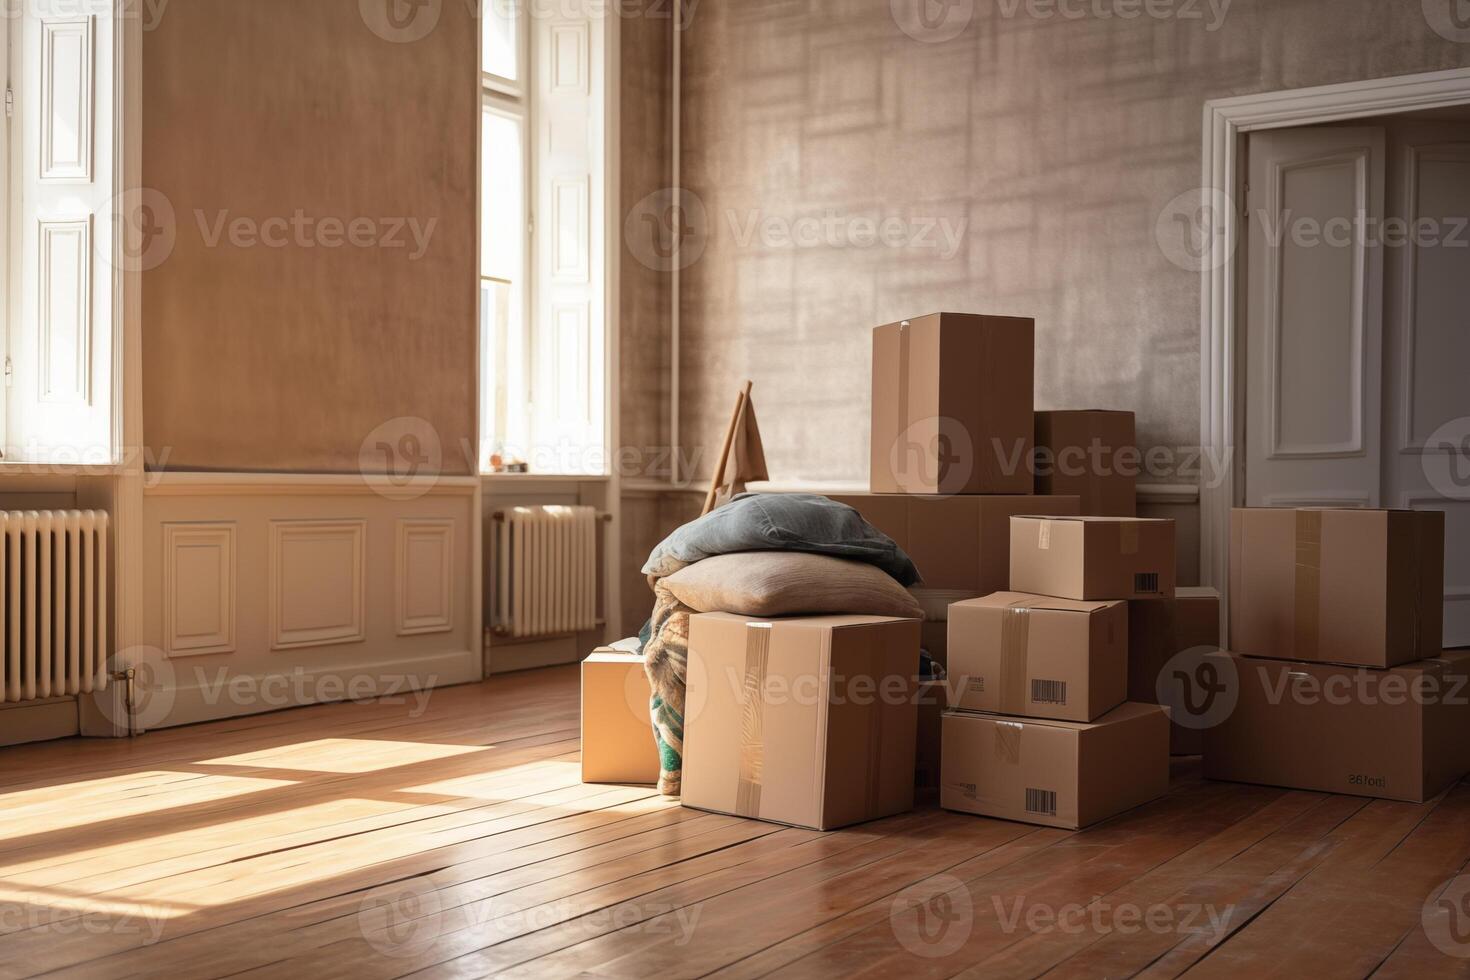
<point>317,583</point>
<point>287,590</point>
<point>424,568</point>
<point>198,589</point>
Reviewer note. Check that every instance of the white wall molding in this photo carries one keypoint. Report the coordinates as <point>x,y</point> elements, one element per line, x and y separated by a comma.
<point>198,588</point>
<point>423,569</point>
<point>1225,122</point>
<point>210,484</point>
<point>1148,493</point>
<point>318,583</point>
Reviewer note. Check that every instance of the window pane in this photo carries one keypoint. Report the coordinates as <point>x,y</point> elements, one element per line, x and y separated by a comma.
<point>502,377</point>
<point>503,221</point>
<point>504,369</point>
<point>500,55</point>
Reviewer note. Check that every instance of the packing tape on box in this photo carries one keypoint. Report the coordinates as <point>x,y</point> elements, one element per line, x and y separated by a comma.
<point>904,337</point>
<point>1308,575</point>
<point>1043,535</point>
<point>752,719</point>
<point>1128,538</point>
<point>1015,650</point>
<point>1008,742</point>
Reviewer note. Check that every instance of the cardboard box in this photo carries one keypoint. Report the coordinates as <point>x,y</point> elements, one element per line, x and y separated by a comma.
<point>805,721</point>
<point>1036,656</point>
<point>1159,630</point>
<point>961,544</point>
<point>1401,733</point>
<point>617,734</point>
<point>1091,558</point>
<point>1056,773</point>
<point>1093,454</point>
<point>928,738</point>
<point>952,400</point>
<point>1348,586</point>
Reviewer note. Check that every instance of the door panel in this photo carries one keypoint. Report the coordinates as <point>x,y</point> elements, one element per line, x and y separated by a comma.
<point>1426,461</point>
<point>1314,316</point>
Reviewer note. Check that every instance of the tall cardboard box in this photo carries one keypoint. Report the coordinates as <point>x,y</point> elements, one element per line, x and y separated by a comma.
<point>1038,656</point>
<point>617,734</point>
<point>1401,733</point>
<point>1055,773</point>
<point>806,721</point>
<point>952,400</point>
<point>1159,630</point>
<point>1347,586</point>
<point>1093,454</point>
<point>961,544</point>
<point>1091,558</point>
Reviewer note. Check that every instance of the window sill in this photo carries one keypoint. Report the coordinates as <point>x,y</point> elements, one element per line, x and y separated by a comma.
<point>27,467</point>
<point>520,479</point>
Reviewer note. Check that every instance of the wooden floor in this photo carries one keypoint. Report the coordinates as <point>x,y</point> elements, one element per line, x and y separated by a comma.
<point>374,840</point>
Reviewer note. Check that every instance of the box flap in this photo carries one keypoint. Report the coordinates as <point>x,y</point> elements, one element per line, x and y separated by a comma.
<point>1003,600</point>
<point>1124,712</point>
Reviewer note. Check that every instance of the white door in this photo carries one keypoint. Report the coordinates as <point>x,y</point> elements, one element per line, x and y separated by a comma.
<point>1357,344</point>
<point>1314,317</point>
<point>1426,412</point>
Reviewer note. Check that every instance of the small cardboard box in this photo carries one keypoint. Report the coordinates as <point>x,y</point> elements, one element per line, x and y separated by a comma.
<point>806,721</point>
<point>1091,558</point>
<point>617,734</point>
<point>1036,656</point>
<point>1158,631</point>
<point>928,740</point>
<point>1056,773</point>
<point>952,405</point>
<point>1092,454</point>
<point>1348,586</point>
<point>1401,733</point>
<point>961,544</point>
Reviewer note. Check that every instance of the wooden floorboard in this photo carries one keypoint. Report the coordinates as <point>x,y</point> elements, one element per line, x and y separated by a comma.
<point>452,837</point>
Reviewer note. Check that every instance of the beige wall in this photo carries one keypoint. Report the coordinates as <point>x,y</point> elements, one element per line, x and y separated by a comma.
<point>262,358</point>
<point>1058,141</point>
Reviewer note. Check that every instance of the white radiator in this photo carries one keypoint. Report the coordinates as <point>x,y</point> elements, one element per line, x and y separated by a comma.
<point>545,567</point>
<point>53,583</point>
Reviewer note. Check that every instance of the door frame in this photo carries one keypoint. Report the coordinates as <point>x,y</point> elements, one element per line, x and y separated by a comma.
<point>1226,121</point>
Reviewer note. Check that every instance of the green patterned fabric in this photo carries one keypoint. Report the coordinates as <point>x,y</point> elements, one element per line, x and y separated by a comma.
<point>665,659</point>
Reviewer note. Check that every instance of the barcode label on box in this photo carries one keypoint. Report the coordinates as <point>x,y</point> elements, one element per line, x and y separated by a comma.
<point>1049,692</point>
<point>1042,801</point>
<point>1146,582</point>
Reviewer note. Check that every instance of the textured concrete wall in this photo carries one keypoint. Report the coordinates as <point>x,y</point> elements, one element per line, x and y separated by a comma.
<point>265,356</point>
<point>1055,142</point>
<point>644,300</point>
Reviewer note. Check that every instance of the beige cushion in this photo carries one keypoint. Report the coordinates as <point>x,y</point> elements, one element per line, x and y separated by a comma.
<point>787,583</point>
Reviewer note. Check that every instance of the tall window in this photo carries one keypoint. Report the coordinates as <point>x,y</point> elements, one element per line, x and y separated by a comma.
<point>543,276</point>
<point>57,258</point>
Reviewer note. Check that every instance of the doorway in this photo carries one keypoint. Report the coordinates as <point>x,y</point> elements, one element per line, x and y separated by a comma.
<point>1357,323</point>
<point>1332,358</point>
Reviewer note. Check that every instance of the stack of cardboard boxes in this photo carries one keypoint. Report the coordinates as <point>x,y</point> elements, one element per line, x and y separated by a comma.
<point>1040,728</point>
<point>812,721</point>
<point>1337,681</point>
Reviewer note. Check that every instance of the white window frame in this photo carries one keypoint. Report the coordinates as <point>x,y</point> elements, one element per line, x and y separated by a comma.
<point>542,294</point>
<point>9,223</point>
<point>510,98</point>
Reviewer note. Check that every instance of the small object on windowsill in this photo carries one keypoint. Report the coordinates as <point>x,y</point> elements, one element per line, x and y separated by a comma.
<point>502,464</point>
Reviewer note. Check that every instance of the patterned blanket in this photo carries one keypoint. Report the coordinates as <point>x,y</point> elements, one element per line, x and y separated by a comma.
<point>665,659</point>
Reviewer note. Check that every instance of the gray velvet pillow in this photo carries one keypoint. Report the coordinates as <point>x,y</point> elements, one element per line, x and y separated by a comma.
<point>789,583</point>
